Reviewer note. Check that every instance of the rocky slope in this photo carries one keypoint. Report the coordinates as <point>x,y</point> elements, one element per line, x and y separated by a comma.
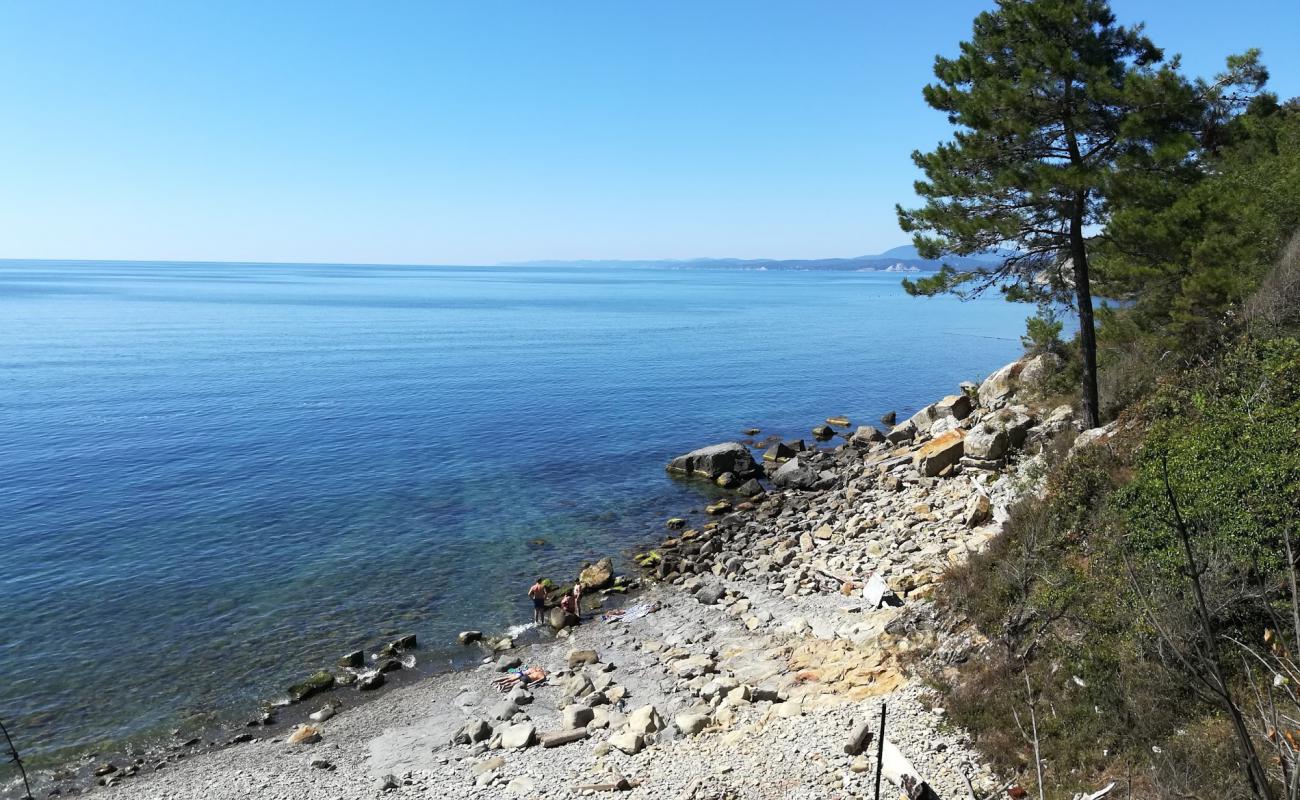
<point>780,623</point>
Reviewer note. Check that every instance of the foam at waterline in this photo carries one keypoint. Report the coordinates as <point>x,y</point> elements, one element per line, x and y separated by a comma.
<point>515,630</point>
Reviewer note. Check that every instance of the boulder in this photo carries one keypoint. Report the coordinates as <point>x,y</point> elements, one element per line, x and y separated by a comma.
<point>997,388</point>
<point>577,715</point>
<point>315,684</point>
<point>581,658</point>
<point>795,474</point>
<point>517,736</point>
<point>598,575</point>
<point>710,462</point>
<point>978,510</point>
<point>939,453</point>
<point>924,418</point>
<point>904,431</point>
<point>476,730</point>
<point>1039,368</point>
<point>797,445</point>
<point>629,742</point>
<point>750,488</point>
<point>644,720</point>
<point>727,480</point>
<point>558,619</point>
<point>956,406</point>
<point>987,441</point>
<point>823,432</point>
<point>889,418</point>
<point>710,593</point>
<point>469,637</point>
<point>353,660</point>
<point>866,435</point>
<point>779,452</point>
<point>691,723</point>
<point>370,681</point>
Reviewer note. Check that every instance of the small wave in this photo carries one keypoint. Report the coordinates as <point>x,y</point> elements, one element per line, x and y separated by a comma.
<point>515,630</point>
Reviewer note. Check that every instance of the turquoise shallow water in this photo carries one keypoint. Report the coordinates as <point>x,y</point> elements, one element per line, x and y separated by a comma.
<point>214,478</point>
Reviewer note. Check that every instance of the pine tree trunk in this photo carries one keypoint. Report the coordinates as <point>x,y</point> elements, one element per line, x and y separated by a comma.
<point>1083,298</point>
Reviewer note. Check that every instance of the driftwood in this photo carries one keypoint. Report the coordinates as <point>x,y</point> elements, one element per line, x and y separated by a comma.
<point>557,738</point>
<point>622,785</point>
<point>859,740</point>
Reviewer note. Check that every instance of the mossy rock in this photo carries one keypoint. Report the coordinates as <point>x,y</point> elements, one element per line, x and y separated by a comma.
<point>317,683</point>
<point>649,559</point>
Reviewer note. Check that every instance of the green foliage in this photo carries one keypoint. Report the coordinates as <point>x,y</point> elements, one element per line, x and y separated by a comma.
<point>1230,447</point>
<point>1046,97</point>
<point>1043,332</point>
<point>1187,251</point>
<point>1067,590</point>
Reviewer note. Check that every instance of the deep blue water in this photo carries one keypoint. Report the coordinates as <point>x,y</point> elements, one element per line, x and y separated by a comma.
<point>215,478</point>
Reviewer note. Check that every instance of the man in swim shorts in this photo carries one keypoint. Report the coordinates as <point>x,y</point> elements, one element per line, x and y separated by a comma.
<point>538,592</point>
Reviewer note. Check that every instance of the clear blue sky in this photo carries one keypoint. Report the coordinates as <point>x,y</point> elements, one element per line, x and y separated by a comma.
<point>477,132</point>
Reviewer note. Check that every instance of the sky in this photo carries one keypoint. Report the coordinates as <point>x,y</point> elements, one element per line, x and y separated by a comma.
<point>483,132</point>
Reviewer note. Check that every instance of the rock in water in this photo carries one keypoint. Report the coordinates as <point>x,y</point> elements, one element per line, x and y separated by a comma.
<point>317,683</point>
<point>598,575</point>
<point>711,462</point>
<point>469,637</point>
<point>749,488</point>
<point>823,432</point>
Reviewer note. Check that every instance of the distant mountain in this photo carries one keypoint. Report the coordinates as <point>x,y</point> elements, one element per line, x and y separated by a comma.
<point>898,259</point>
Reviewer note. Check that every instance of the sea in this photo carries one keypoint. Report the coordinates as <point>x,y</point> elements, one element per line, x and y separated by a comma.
<point>217,478</point>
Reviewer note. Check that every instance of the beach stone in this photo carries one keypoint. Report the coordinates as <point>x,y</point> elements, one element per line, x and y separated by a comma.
<point>505,711</point>
<point>560,619</point>
<point>749,488</point>
<point>580,658</point>
<point>521,785</point>
<point>577,716</point>
<point>628,741</point>
<point>710,462</point>
<point>488,765</point>
<point>795,474</point>
<point>386,783</point>
<point>956,406</point>
<point>691,723</point>
<point>518,736</point>
<point>939,453</point>
<point>644,720</point>
<point>476,730</point>
<point>727,480</point>
<point>902,432</point>
<point>370,681</point>
<point>469,637</point>
<point>866,435</point>
<point>598,575</point>
<point>978,509</point>
<point>710,593</point>
<point>305,734</point>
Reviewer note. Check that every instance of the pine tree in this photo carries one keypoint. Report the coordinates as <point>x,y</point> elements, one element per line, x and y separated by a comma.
<point>1046,98</point>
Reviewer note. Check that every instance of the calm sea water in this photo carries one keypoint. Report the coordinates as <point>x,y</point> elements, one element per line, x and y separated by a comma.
<point>215,478</point>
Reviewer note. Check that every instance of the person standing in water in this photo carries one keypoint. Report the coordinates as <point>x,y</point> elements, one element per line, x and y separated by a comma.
<point>538,592</point>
